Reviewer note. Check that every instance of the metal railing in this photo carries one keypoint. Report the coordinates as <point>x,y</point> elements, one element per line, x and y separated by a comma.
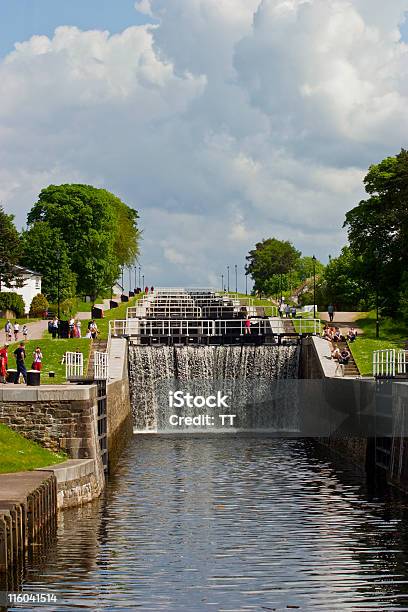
<point>101,366</point>
<point>388,363</point>
<point>206,327</point>
<point>74,365</point>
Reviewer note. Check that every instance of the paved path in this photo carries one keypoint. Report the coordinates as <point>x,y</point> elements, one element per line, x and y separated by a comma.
<point>35,331</point>
<point>344,319</point>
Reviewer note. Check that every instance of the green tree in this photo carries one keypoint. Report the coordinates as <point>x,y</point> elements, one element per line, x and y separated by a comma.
<point>12,301</point>
<point>39,305</point>
<point>45,251</point>
<point>271,258</point>
<point>343,283</point>
<point>99,230</point>
<point>378,228</point>
<point>10,249</point>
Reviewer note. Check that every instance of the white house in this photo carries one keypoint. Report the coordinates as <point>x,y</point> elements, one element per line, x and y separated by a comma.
<point>31,285</point>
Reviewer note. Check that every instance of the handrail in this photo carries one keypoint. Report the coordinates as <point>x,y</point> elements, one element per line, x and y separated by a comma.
<point>387,363</point>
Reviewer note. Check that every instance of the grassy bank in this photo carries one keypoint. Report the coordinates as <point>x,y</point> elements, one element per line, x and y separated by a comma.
<point>53,352</point>
<point>393,334</point>
<point>115,313</point>
<point>18,454</point>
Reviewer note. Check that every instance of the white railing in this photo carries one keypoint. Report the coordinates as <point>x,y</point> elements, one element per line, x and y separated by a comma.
<point>306,326</point>
<point>74,365</point>
<point>388,363</point>
<point>101,366</point>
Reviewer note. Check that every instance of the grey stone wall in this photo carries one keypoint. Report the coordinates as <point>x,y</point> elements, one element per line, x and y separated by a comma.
<point>120,422</point>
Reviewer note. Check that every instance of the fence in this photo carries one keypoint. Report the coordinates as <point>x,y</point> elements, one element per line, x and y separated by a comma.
<point>74,365</point>
<point>101,366</point>
<point>388,363</point>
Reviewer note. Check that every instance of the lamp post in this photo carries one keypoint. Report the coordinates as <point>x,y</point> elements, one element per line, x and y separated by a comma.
<point>143,282</point>
<point>228,279</point>
<point>246,283</point>
<point>140,269</point>
<point>222,282</point>
<point>123,283</point>
<point>58,288</point>
<point>135,270</point>
<point>314,286</point>
<point>236,279</point>
<point>377,307</point>
<point>130,278</point>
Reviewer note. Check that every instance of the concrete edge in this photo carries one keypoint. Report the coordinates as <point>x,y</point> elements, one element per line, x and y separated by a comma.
<point>66,393</point>
<point>69,470</point>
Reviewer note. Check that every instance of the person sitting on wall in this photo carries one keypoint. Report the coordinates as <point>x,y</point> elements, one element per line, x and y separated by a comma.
<point>344,356</point>
<point>352,334</point>
<point>336,353</point>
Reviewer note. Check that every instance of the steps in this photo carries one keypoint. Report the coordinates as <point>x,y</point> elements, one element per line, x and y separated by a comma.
<point>96,346</point>
<point>351,368</point>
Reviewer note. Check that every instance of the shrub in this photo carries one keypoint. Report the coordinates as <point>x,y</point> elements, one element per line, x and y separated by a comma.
<point>39,305</point>
<point>12,301</point>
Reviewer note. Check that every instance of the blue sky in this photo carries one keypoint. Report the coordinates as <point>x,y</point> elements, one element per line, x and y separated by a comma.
<point>21,19</point>
<point>231,121</point>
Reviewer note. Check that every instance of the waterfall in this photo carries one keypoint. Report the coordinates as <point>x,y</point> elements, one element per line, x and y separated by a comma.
<point>253,376</point>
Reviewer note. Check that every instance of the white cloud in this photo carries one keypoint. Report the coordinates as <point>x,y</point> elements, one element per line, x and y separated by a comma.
<point>225,123</point>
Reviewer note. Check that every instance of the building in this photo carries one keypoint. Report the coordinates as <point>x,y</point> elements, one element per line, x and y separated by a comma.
<point>30,282</point>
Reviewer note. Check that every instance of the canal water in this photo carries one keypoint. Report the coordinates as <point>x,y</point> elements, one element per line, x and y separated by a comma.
<point>229,523</point>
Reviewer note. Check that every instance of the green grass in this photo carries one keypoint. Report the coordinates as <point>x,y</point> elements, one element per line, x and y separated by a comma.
<point>393,334</point>
<point>17,454</point>
<point>53,352</point>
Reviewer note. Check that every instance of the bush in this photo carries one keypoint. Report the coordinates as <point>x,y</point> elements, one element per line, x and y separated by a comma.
<point>12,301</point>
<point>39,305</point>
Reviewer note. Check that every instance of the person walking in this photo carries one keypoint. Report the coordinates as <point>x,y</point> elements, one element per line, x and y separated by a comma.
<point>287,311</point>
<point>20,356</point>
<point>330,312</point>
<point>281,308</point>
<point>3,364</point>
<point>37,359</point>
<point>16,329</point>
<point>8,331</point>
<point>293,312</point>
<point>25,332</point>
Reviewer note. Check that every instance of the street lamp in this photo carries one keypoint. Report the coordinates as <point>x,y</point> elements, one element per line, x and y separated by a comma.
<point>135,270</point>
<point>246,283</point>
<point>143,281</point>
<point>140,269</point>
<point>377,307</point>
<point>58,253</point>
<point>123,282</point>
<point>314,286</point>
<point>130,278</point>
<point>236,279</point>
<point>222,282</point>
<point>228,279</point>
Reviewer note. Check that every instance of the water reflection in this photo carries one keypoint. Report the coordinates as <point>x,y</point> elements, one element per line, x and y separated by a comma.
<point>229,524</point>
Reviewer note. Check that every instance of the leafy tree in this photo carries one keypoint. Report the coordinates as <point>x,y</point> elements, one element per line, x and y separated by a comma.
<point>44,250</point>
<point>9,249</point>
<point>39,305</point>
<point>343,283</point>
<point>99,230</point>
<point>271,259</point>
<point>12,301</point>
<point>378,228</point>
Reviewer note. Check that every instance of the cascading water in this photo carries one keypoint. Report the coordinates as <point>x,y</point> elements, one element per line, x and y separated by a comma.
<point>256,378</point>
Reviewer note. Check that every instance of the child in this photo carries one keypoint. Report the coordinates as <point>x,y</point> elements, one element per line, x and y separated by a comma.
<point>37,359</point>
<point>25,332</point>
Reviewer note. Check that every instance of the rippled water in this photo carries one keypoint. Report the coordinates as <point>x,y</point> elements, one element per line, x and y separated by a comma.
<point>229,524</point>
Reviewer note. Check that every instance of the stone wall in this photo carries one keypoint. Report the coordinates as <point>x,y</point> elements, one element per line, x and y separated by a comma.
<point>62,418</point>
<point>79,481</point>
<point>120,422</point>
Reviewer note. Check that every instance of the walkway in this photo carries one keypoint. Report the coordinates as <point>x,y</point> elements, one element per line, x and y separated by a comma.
<point>36,331</point>
<point>343,319</point>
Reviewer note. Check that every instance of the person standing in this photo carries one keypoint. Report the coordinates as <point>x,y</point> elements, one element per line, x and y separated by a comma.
<point>78,332</point>
<point>3,364</point>
<point>281,308</point>
<point>293,312</point>
<point>287,311</point>
<point>247,329</point>
<point>16,330</point>
<point>330,312</point>
<point>20,356</point>
<point>71,325</point>
<point>54,327</point>
<point>37,359</point>
<point>25,332</point>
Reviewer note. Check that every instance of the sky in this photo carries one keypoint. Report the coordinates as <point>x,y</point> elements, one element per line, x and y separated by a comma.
<point>222,122</point>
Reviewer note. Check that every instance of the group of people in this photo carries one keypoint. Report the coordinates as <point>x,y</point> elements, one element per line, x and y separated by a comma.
<point>74,328</point>
<point>334,335</point>
<point>14,330</point>
<point>285,310</point>
<point>20,356</point>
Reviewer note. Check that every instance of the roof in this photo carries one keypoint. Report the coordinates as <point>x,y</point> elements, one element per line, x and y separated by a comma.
<point>24,270</point>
